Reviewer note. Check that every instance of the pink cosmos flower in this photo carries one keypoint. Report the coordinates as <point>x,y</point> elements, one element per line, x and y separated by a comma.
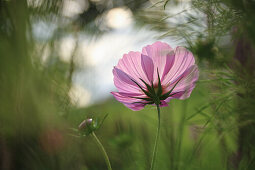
<point>155,76</point>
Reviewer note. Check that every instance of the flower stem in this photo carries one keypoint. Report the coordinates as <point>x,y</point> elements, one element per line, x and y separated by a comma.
<point>103,151</point>
<point>154,154</point>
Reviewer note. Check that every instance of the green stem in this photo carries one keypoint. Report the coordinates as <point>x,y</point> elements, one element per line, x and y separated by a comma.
<point>154,154</point>
<point>103,151</point>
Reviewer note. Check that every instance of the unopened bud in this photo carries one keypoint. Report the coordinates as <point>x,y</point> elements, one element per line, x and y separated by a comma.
<point>85,123</point>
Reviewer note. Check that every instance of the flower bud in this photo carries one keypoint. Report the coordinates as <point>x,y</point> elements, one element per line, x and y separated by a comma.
<point>84,124</point>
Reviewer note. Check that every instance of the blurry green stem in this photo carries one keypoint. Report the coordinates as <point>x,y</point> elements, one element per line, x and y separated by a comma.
<point>103,151</point>
<point>154,154</point>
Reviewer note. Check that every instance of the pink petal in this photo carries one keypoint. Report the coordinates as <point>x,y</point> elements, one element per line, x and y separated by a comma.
<point>123,82</point>
<point>187,93</point>
<point>183,60</point>
<point>124,77</point>
<point>135,106</point>
<point>131,64</point>
<point>186,83</point>
<point>163,103</point>
<point>175,96</point>
<point>132,94</point>
<point>127,100</point>
<point>181,94</point>
<point>169,64</point>
<point>158,52</point>
<point>124,98</point>
<point>148,67</point>
<point>188,78</point>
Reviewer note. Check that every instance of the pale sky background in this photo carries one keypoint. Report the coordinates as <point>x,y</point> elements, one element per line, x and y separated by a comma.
<point>93,80</point>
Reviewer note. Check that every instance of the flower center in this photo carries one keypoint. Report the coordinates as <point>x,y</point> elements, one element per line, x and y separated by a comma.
<point>155,93</point>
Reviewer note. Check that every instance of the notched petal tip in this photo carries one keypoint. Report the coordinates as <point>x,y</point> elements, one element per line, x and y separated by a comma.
<point>160,44</point>
<point>157,49</point>
<point>182,52</point>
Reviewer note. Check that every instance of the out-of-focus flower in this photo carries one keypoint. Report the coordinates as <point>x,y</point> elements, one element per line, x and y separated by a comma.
<point>155,76</point>
<point>52,141</point>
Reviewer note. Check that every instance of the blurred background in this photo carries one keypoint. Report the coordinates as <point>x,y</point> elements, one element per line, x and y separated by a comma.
<point>56,60</point>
